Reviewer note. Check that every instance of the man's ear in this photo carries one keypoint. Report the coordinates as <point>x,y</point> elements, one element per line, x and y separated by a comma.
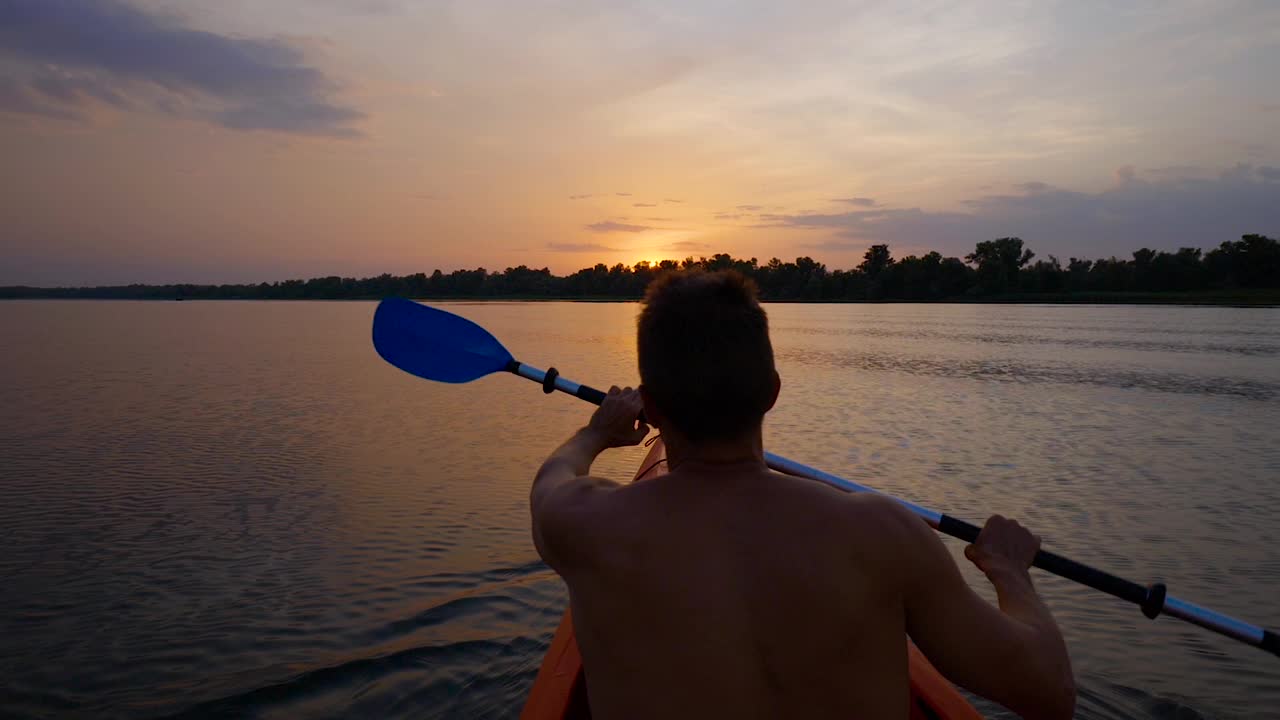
<point>777,387</point>
<point>651,413</point>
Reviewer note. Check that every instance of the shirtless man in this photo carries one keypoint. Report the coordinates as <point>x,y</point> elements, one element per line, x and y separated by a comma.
<point>723,589</point>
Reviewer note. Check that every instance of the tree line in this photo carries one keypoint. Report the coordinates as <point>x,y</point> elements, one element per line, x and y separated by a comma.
<point>999,268</point>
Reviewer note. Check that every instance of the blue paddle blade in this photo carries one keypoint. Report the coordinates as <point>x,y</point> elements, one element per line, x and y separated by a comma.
<point>435,344</point>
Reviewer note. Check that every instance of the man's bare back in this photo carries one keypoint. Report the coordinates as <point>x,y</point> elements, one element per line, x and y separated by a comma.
<point>737,592</point>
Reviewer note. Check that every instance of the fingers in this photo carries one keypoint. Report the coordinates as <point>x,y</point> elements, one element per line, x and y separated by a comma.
<point>1003,540</point>
<point>618,417</point>
<point>1001,523</point>
<point>629,396</point>
<point>626,392</point>
<point>640,434</point>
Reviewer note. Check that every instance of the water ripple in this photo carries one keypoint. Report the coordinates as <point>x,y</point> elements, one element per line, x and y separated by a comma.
<point>238,510</point>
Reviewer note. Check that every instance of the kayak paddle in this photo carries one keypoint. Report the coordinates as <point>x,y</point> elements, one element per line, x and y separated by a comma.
<point>438,345</point>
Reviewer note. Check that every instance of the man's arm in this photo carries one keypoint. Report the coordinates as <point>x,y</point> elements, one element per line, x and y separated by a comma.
<point>1014,655</point>
<point>562,484</point>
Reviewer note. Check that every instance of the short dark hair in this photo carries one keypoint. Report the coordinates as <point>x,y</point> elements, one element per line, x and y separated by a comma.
<point>705,356</point>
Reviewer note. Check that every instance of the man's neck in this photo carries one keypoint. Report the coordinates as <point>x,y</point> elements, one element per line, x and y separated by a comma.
<point>730,455</point>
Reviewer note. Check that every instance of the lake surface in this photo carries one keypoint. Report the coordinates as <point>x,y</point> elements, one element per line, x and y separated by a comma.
<point>237,509</point>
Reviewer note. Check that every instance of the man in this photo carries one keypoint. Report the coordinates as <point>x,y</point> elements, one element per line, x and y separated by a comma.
<point>723,589</point>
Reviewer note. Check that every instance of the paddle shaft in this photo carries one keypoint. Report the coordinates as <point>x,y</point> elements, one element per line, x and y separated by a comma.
<point>1152,599</point>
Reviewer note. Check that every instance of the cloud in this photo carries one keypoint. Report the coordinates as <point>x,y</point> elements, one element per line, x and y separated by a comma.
<point>609,226</point>
<point>751,208</point>
<point>643,205</point>
<point>660,219</point>
<point>1173,172</point>
<point>579,197</point>
<point>579,247</point>
<point>859,201</point>
<point>671,200</point>
<point>837,245</point>
<point>623,194</point>
<point>1163,214</point>
<point>74,52</point>
<point>291,115</point>
<point>364,7</point>
<point>729,216</point>
<point>687,245</point>
<point>22,98</point>
<point>1034,186</point>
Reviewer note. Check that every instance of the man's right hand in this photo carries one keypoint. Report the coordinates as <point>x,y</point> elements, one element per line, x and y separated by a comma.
<point>1003,547</point>
<point>616,422</point>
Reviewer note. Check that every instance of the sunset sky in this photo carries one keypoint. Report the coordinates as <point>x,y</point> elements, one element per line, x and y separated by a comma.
<point>249,140</point>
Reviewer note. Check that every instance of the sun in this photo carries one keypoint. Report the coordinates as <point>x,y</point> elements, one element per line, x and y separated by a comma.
<point>669,244</point>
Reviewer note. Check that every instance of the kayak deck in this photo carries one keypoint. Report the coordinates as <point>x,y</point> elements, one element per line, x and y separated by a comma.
<point>560,691</point>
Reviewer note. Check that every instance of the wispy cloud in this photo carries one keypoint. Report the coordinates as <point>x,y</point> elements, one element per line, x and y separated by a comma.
<point>24,97</point>
<point>623,194</point>
<point>579,197</point>
<point>688,245</point>
<point>837,245</point>
<point>579,247</point>
<point>643,205</point>
<point>729,216</point>
<point>751,208</point>
<point>859,201</point>
<point>72,53</point>
<point>364,7</point>
<point>1174,172</point>
<point>671,200</point>
<point>609,226</point>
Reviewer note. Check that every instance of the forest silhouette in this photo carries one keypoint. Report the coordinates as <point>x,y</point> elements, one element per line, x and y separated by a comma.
<point>999,269</point>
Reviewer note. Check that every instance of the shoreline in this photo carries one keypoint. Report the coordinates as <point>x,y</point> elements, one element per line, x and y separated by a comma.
<point>1263,299</point>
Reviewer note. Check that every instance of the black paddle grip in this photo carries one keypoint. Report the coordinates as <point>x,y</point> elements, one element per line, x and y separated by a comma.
<point>1070,569</point>
<point>590,394</point>
<point>1270,642</point>
<point>595,397</point>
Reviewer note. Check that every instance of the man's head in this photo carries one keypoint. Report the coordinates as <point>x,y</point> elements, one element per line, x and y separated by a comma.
<point>706,364</point>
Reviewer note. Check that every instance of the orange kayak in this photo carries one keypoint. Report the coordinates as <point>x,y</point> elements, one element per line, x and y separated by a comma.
<point>560,693</point>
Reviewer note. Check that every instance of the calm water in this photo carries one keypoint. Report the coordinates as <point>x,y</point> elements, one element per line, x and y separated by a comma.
<point>237,509</point>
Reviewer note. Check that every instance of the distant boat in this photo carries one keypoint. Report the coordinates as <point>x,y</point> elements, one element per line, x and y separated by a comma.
<point>179,299</point>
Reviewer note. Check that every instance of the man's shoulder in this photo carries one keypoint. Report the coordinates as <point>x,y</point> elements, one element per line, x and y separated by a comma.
<point>578,499</point>
<point>868,507</point>
<point>855,514</point>
<point>879,508</point>
<point>569,512</point>
<point>885,526</point>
